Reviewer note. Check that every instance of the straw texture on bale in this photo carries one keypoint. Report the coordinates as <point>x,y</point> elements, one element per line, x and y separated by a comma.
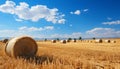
<point>23,46</point>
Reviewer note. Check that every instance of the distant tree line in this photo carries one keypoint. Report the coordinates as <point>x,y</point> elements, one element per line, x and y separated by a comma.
<point>80,38</point>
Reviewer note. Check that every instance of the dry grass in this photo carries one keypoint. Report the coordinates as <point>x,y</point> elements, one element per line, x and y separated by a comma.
<point>79,55</point>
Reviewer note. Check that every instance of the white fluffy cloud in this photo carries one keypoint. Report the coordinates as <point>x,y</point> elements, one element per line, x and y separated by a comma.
<point>41,32</point>
<point>112,22</point>
<point>19,20</point>
<point>36,32</point>
<point>72,35</point>
<point>103,32</point>
<point>77,12</point>
<point>30,29</point>
<point>85,10</point>
<point>8,7</point>
<point>33,13</point>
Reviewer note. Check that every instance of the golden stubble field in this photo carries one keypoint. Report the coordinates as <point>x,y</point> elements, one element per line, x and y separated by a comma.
<point>79,55</point>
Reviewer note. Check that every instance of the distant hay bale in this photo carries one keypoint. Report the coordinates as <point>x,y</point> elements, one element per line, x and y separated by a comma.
<point>21,47</point>
<point>98,41</point>
<point>53,41</point>
<point>74,40</point>
<point>63,41</point>
<point>107,41</point>
<point>90,41</point>
<point>80,40</point>
<point>5,41</point>
<point>113,41</point>
<point>67,40</point>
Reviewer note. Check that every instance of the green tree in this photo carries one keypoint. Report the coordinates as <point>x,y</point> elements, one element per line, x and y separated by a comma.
<point>57,39</point>
<point>80,38</point>
<point>94,38</point>
<point>45,39</point>
<point>69,38</point>
<point>75,39</point>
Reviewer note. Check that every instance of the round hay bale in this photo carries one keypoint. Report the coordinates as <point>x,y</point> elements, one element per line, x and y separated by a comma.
<point>23,46</point>
<point>5,41</point>
<point>63,41</point>
<point>107,41</point>
<point>90,41</point>
<point>74,40</point>
<point>67,40</point>
<point>53,41</point>
<point>113,41</point>
<point>98,41</point>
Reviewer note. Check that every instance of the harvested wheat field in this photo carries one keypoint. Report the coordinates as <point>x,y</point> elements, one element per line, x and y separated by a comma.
<point>72,55</point>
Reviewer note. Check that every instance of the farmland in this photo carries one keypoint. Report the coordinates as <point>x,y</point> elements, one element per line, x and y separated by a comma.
<point>78,55</point>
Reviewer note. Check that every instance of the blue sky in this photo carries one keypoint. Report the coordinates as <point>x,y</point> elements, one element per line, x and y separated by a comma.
<point>60,19</point>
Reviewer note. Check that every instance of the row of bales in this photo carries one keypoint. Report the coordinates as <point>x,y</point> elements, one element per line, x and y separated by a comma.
<point>64,41</point>
<point>26,46</point>
<point>104,41</point>
<point>98,41</point>
<point>85,41</point>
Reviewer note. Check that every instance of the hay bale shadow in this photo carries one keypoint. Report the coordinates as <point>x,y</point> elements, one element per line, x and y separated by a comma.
<point>39,59</point>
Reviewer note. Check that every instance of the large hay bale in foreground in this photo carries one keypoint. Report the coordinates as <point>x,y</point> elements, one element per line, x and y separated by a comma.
<point>21,47</point>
